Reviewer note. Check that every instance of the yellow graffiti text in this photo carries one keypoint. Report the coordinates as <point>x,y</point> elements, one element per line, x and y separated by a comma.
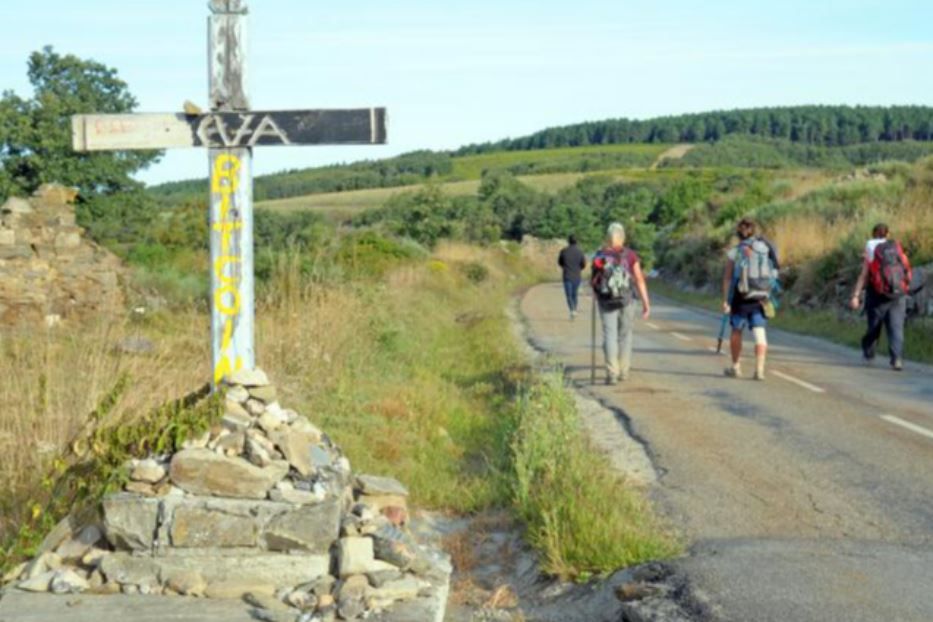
<point>224,182</point>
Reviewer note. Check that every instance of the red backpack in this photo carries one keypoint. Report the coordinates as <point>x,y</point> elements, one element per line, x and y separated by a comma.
<point>889,271</point>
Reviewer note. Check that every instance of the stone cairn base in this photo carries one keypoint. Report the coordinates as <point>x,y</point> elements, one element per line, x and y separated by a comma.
<point>265,508</point>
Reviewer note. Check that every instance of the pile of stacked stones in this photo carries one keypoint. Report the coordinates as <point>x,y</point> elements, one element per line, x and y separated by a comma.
<point>48,269</point>
<point>263,507</point>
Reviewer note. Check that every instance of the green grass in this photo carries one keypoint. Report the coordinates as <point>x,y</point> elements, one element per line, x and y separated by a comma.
<point>846,329</point>
<point>581,516</point>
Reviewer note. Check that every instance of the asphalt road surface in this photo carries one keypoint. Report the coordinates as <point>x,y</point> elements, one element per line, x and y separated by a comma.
<point>805,497</point>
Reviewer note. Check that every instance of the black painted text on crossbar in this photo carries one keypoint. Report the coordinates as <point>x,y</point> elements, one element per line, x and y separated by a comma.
<point>365,126</point>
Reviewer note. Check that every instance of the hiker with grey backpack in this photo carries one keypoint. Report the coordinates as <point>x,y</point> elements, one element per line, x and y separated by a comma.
<point>749,284</point>
<point>617,279</point>
<point>887,274</point>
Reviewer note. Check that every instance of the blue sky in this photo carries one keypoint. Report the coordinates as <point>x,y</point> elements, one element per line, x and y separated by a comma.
<point>453,72</point>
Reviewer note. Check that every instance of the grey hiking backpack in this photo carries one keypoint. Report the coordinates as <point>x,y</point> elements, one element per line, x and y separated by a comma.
<point>755,273</point>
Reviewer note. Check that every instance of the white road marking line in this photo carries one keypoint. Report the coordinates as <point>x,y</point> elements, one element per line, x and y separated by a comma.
<point>799,382</point>
<point>913,427</point>
<point>680,336</point>
<point>652,325</point>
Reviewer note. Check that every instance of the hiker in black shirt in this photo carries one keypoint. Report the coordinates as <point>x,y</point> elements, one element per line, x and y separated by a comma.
<point>572,261</point>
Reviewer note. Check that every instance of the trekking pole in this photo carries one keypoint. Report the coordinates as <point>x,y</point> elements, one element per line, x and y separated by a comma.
<point>725,321</point>
<point>593,341</point>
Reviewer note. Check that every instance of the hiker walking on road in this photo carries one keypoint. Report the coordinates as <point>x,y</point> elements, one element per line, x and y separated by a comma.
<point>616,278</point>
<point>748,281</point>
<point>572,261</point>
<point>887,273</point>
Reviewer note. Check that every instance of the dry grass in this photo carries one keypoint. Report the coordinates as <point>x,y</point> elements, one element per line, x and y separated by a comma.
<point>804,235</point>
<point>801,237</point>
<point>53,379</point>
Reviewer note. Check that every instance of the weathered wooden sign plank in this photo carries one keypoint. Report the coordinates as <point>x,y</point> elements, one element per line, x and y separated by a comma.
<point>100,132</point>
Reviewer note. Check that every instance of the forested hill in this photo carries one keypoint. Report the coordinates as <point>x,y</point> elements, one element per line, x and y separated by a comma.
<point>768,137</point>
<point>828,126</point>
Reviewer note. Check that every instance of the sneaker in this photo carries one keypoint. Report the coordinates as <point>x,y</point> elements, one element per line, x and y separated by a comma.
<point>733,372</point>
<point>897,365</point>
<point>759,375</point>
<point>612,380</point>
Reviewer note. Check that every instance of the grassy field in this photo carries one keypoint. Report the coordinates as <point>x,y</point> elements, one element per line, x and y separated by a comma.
<point>342,205</point>
<point>472,166</point>
<point>409,362</point>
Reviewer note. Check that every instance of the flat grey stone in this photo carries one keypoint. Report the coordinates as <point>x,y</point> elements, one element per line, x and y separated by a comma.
<point>377,485</point>
<point>247,566</point>
<point>24,607</point>
<point>38,583</point>
<point>248,378</point>
<point>205,527</point>
<point>312,528</point>
<point>130,521</point>
<point>295,445</point>
<point>200,522</point>
<point>203,472</point>
<point>132,569</point>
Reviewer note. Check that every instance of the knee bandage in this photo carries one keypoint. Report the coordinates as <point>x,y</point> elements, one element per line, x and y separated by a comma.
<point>761,338</point>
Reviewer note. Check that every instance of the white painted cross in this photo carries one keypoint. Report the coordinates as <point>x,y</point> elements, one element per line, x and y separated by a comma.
<point>229,131</point>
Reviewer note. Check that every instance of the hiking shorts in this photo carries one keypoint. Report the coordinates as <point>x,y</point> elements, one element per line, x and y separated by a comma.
<point>753,318</point>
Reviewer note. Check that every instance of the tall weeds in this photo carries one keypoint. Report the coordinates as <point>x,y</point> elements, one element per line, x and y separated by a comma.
<point>582,517</point>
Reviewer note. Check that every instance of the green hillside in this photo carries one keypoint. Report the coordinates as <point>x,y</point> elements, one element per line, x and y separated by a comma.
<point>815,136</point>
<point>421,166</point>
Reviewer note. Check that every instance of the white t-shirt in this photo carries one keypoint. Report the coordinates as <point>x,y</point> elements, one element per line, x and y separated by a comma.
<point>870,247</point>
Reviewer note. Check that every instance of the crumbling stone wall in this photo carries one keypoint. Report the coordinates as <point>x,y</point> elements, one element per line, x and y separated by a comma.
<point>49,270</point>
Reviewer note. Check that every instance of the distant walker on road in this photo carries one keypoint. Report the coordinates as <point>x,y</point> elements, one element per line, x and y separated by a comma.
<point>572,262</point>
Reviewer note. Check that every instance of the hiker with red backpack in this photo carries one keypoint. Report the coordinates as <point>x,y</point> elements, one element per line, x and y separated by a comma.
<point>749,282</point>
<point>887,273</point>
<point>616,280</point>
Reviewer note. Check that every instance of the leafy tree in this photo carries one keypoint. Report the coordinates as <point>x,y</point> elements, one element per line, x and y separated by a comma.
<point>35,133</point>
<point>511,200</point>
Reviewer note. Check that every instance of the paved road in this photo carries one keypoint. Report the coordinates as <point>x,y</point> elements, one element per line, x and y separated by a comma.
<point>808,496</point>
